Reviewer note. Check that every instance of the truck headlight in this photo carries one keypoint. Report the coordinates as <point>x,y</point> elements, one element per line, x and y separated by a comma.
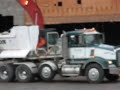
<point>110,62</point>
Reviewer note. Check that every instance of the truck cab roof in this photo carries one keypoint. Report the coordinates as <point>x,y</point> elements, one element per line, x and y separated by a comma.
<point>83,31</point>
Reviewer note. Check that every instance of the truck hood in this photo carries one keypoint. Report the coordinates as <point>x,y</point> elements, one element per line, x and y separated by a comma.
<point>106,47</point>
<point>105,51</point>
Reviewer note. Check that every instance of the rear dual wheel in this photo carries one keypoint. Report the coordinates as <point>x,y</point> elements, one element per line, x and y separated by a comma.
<point>23,73</point>
<point>7,73</point>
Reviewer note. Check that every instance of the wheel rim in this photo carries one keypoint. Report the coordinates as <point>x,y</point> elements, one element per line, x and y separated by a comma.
<point>46,72</point>
<point>22,74</point>
<point>4,73</point>
<point>93,74</point>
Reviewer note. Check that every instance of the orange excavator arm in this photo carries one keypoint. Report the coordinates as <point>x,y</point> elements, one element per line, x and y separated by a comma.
<point>36,15</point>
<point>34,11</point>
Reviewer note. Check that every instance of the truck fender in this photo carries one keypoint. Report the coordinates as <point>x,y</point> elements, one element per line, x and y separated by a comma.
<point>50,63</point>
<point>30,65</point>
<point>102,62</point>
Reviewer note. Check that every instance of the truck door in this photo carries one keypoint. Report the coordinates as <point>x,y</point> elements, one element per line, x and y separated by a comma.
<point>76,47</point>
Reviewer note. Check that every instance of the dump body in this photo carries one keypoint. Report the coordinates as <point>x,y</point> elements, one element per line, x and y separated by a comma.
<point>19,41</point>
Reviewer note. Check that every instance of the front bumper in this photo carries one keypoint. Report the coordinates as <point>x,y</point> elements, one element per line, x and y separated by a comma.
<point>113,69</point>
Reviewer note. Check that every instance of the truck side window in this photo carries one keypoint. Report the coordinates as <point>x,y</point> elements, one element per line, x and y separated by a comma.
<point>52,38</point>
<point>73,41</point>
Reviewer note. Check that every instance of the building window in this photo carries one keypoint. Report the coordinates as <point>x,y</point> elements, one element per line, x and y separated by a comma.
<point>78,1</point>
<point>60,4</point>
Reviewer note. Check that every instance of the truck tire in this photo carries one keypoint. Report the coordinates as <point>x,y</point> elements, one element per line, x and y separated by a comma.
<point>46,73</point>
<point>94,73</point>
<point>112,78</point>
<point>6,73</point>
<point>23,73</point>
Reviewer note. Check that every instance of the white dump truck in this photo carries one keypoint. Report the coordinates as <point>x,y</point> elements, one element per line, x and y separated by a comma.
<point>75,53</point>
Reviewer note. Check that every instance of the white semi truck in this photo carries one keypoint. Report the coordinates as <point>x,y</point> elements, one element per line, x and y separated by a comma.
<point>75,53</point>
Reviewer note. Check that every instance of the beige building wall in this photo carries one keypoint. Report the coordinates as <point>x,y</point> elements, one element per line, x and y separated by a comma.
<point>12,8</point>
<point>76,11</point>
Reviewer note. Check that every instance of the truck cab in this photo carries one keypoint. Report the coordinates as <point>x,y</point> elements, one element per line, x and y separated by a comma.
<point>84,53</point>
<point>81,43</point>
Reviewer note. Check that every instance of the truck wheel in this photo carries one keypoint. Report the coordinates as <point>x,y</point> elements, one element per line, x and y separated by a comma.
<point>23,73</point>
<point>46,73</point>
<point>94,73</point>
<point>6,73</point>
<point>111,77</point>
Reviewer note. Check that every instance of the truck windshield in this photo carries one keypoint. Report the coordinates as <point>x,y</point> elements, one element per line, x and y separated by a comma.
<point>93,39</point>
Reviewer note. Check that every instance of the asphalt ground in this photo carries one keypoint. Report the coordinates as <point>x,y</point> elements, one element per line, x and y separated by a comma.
<point>79,83</point>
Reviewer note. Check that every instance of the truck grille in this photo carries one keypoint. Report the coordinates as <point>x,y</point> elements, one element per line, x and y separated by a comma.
<point>118,57</point>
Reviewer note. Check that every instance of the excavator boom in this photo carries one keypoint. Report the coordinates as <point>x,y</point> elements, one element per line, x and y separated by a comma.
<point>36,15</point>
<point>34,11</point>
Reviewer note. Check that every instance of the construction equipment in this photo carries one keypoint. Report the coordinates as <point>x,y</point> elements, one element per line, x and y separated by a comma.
<point>34,11</point>
<point>75,53</point>
<point>36,15</point>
